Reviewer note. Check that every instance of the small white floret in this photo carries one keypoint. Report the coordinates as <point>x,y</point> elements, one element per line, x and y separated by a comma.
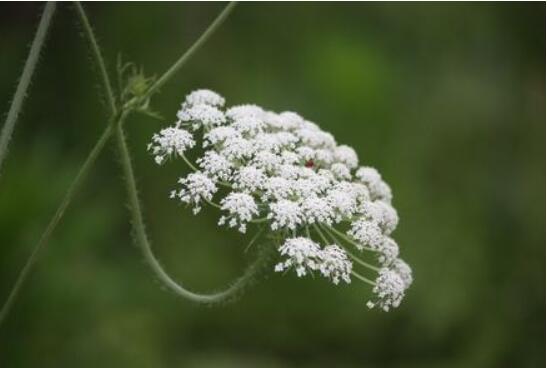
<point>196,187</point>
<point>335,264</point>
<point>215,165</point>
<point>302,254</point>
<point>241,208</point>
<point>204,96</point>
<point>206,115</point>
<point>169,142</point>
<point>285,214</point>
<point>249,179</point>
<point>346,155</point>
<point>366,233</point>
<point>389,290</point>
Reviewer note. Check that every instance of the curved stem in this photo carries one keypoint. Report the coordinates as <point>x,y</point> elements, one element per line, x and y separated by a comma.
<point>194,168</point>
<point>144,243</point>
<point>190,165</point>
<point>96,51</point>
<point>353,256</point>
<point>346,238</point>
<point>190,52</point>
<point>361,262</point>
<point>363,278</point>
<point>24,82</point>
<point>84,170</point>
<point>212,203</point>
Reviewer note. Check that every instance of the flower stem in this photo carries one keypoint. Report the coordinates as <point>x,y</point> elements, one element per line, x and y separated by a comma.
<point>92,157</point>
<point>96,51</point>
<point>190,165</point>
<point>259,220</point>
<point>363,278</point>
<point>143,242</point>
<point>254,239</point>
<point>346,238</point>
<point>194,168</point>
<point>190,52</point>
<point>84,170</point>
<point>321,235</point>
<point>24,82</point>
<point>353,256</point>
<point>115,120</point>
<point>212,203</point>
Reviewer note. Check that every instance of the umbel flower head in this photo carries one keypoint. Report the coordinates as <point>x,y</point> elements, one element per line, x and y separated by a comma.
<point>280,171</point>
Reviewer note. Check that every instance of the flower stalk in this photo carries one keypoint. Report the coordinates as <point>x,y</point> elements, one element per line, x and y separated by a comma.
<point>97,56</point>
<point>191,51</point>
<point>144,243</point>
<point>118,115</point>
<point>26,77</point>
<point>72,190</point>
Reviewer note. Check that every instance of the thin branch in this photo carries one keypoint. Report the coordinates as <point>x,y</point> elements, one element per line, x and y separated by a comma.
<point>353,256</point>
<point>96,51</point>
<point>143,242</point>
<point>190,52</point>
<point>363,278</point>
<point>348,239</point>
<point>190,165</point>
<point>24,82</point>
<point>84,170</point>
<point>318,231</point>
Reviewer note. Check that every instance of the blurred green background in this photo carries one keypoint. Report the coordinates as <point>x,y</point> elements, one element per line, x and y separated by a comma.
<point>447,101</point>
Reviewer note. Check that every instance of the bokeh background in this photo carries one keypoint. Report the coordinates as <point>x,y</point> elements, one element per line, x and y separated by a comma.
<point>447,101</point>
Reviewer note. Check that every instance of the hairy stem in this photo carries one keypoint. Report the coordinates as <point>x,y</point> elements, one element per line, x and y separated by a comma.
<point>143,242</point>
<point>84,170</point>
<point>24,82</point>
<point>190,52</point>
<point>92,157</point>
<point>96,51</point>
<point>7,130</point>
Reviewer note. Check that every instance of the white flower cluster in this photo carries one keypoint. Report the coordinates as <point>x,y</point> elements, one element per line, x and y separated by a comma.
<point>170,141</point>
<point>391,285</point>
<point>285,171</point>
<point>304,255</point>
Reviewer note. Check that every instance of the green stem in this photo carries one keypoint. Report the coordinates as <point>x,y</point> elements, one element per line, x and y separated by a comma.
<point>96,51</point>
<point>190,52</point>
<point>363,278</point>
<point>318,231</point>
<point>212,203</point>
<point>143,242</point>
<point>24,82</point>
<point>188,162</point>
<point>353,256</point>
<point>194,168</point>
<point>254,239</point>
<point>361,262</point>
<point>7,130</point>
<point>84,170</point>
<point>348,239</point>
